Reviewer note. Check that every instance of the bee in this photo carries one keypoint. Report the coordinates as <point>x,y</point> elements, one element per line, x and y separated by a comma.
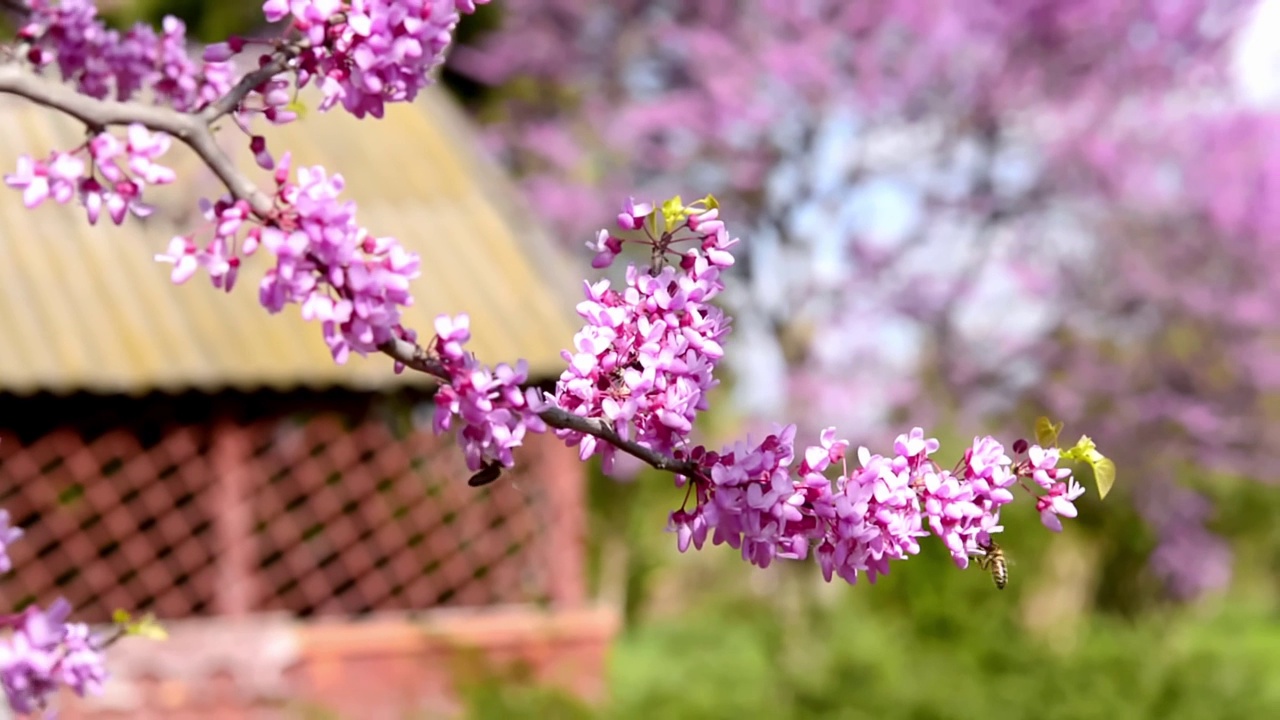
<point>491,471</point>
<point>993,561</point>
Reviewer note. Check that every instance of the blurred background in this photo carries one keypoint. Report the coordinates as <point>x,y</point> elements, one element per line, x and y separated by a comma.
<point>956,215</point>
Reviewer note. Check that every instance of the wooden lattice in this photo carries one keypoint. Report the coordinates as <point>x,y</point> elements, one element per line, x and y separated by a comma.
<point>338,514</point>
<point>352,519</point>
<point>110,523</point>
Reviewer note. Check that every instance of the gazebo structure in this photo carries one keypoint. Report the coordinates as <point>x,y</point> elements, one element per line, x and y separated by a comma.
<point>294,523</point>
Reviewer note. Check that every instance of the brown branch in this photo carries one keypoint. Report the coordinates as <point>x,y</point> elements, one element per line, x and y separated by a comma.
<point>240,186</point>
<point>278,63</point>
<point>192,130</point>
<point>17,80</point>
<point>414,357</point>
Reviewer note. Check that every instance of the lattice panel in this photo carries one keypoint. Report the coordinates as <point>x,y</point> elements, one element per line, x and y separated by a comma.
<point>111,522</point>
<point>337,515</point>
<point>351,519</point>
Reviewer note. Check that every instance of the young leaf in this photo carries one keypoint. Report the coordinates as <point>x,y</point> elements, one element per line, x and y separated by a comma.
<point>1047,432</point>
<point>1082,450</point>
<point>298,107</point>
<point>1104,474</point>
<point>673,212</point>
<point>146,627</point>
<point>1104,470</point>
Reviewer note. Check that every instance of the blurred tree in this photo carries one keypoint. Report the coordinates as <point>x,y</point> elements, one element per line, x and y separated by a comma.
<point>957,207</point>
<point>206,21</point>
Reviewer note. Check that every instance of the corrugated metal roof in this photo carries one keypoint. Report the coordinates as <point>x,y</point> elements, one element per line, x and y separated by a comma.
<point>87,308</point>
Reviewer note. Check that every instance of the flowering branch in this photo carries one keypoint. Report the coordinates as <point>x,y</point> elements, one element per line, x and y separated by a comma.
<point>642,365</point>
<point>195,130</point>
<point>644,362</point>
<point>98,114</point>
<point>414,357</point>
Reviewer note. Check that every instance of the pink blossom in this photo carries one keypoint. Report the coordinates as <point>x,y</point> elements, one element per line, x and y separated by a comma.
<point>487,406</point>
<point>118,172</point>
<point>363,53</point>
<point>102,62</point>
<point>8,535</point>
<point>366,53</point>
<point>1043,464</point>
<point>646,358</point>
<point>44,652</point>
<point>1059,502</point>
<point>749,498</point>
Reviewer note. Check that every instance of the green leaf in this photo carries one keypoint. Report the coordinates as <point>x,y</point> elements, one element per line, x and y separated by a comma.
<point>673,212</point>
<point>147,626</point>
<point>1083,448</point>
<point>1047,432</point>
<point>711,202</point>
<point>1104,470</point>
<point>1104,474</point>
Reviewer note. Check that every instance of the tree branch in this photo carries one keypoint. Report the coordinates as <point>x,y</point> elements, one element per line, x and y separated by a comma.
<point>192,130</point>
<point>414,357</point>
<point>240,186</point>
<point>17,80</point>
<point>278,63</point>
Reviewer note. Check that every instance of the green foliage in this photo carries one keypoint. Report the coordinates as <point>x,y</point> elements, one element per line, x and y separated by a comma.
<point>499,700</point>
<point>935,658</point>
<point>950,662</point>
<point>206,21</point>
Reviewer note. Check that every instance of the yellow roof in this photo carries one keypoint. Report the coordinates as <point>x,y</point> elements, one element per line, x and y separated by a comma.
<point>87,308</point>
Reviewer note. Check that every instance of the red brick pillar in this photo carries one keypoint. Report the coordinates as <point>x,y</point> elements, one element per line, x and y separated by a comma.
<point>231,461</point>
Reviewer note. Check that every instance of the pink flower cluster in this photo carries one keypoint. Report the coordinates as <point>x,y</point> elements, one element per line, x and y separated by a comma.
<point>494,411</point>
<point>876,512</point>
<point>8,536</point>
<point>646,358</point>
<point>103,63</point>
<point>219,255</point>
<point>1062,490</point>
<point>365,53</point>
<point>43,651</point>
<point>353,283</point>
<point>111,175</point>
<point>107,172</point>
